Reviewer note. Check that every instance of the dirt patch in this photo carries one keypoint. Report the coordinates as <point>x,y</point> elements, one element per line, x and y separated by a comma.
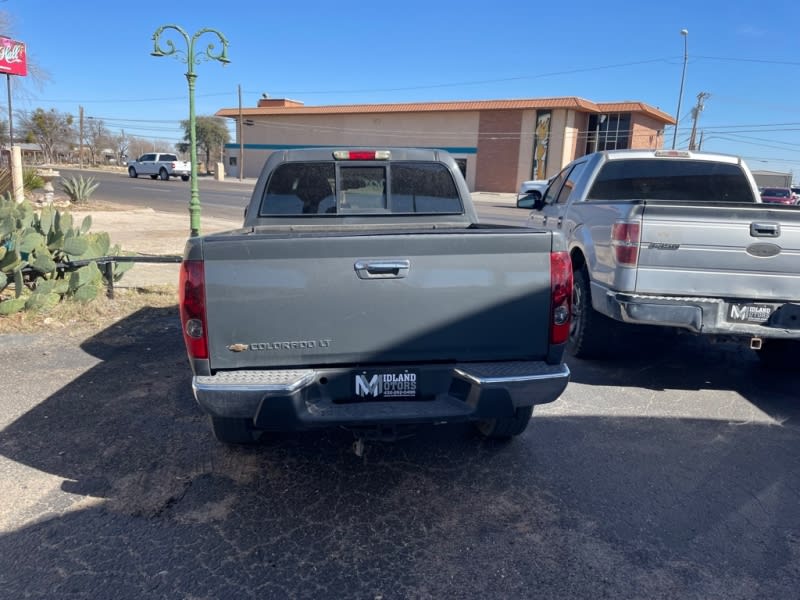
<point>149,232</point>
<point>146,231</point>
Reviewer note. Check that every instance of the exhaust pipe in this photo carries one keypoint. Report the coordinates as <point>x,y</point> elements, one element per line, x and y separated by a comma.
<point>756,343</point>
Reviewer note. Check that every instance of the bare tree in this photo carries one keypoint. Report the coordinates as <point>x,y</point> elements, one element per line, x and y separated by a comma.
<point>96,138</point>
<point>138,146</point>
<point>51,129</point>
<point>121,145</point>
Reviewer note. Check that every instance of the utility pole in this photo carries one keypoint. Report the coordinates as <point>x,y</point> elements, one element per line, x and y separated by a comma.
<point>685,34</point>
<point>80,135</point>
<point>700,143</point>
<point>241,141</point>
<point>701,97</point>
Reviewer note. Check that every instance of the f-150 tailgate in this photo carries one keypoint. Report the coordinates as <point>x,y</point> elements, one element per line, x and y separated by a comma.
<point>720,250</point>
<point>284,299</point>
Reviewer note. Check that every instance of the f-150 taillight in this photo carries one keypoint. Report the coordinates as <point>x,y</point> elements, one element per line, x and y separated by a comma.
<point>192,299</point>
<point>625,242</point>
<point>560,296</point>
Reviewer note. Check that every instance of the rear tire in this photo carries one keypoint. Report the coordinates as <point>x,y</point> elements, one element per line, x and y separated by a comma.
<point>503,428</point>
<point>164,175</point>
<point>234,431</point>
<point>590,333</point>
<point>184,178</point>
<point>132,173</point>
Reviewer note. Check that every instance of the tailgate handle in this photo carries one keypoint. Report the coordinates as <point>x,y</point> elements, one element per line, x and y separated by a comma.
<point>765,230</point>
<point>382,269</point>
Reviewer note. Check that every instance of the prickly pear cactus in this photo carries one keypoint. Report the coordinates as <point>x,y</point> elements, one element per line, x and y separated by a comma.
<point>36,249</point>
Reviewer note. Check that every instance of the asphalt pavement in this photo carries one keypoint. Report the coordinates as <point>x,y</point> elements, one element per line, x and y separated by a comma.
<point>669,471</point>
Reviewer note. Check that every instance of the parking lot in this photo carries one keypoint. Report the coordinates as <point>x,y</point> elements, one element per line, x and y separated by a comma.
<point>670,470</point>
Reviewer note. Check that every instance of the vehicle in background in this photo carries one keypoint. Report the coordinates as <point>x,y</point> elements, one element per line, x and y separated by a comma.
<point>796,192</point>
<point>362,292</point>
<point>675,239</point>
<point>160,165</point>
<point>775,195</point>
<point>535,188</point>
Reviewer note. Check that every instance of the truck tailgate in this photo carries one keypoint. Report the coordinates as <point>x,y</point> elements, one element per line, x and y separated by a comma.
<point>341,298</point>
<point>720,250</point>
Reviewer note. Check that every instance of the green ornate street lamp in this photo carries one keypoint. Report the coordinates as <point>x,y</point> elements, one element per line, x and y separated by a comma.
<point>191,60</point>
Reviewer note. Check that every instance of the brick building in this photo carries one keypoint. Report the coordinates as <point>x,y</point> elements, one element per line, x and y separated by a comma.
<point>497,143</point>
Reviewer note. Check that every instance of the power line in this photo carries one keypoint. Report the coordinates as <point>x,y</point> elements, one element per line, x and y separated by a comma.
<point>370,90</point>
<point>751,60</point>
<point>128,100</point>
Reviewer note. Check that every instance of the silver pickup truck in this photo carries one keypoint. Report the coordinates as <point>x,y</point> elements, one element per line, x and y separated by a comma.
<point>362,292</point>
<point>676,239</point>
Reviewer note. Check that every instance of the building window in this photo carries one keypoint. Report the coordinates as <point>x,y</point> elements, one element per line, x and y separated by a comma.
<point>232,161</point>
<point>541,140</point>
<point>608,132</point>
<point>462,166</point>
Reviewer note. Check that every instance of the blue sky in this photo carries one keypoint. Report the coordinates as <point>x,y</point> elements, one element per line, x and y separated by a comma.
<point>745,54</point>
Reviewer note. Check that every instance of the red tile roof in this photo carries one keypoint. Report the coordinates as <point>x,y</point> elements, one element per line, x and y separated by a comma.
<point>569,102</point>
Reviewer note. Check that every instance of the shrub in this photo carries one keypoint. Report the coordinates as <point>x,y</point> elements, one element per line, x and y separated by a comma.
<point>35,252</point>
<point>79,189</point>
<point>31,180</point>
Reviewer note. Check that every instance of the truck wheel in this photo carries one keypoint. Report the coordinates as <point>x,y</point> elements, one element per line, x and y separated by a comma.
<point>164,175</point>
<point>234,431</point>
<point>503,428</point>
<point>590,332</point>
<point>779,354</point>
<point>132,173</point>
<point>184,178</point>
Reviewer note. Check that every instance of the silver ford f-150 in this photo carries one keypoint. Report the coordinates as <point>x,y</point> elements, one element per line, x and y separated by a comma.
<point>677,239</point>
<point>362,292</point>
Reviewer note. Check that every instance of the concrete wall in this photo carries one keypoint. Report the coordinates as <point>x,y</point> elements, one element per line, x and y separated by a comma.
<point>525,159</point>
<point>496,144</point>
<point>455,132</point>
<point>558,151</point>
<point>772,179</point>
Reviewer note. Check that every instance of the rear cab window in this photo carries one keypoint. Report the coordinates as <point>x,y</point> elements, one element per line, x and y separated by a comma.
<point>336,188</point>
<point>659,179</point>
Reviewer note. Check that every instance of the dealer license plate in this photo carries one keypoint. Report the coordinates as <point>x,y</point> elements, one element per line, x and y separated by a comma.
<point>386,385</point>
<point>750,313</point>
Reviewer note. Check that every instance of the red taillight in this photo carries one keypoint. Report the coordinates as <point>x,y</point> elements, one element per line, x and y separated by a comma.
<point>192,302</point>
<point>625,241</point>
<point>560,296</point>
<point>362,154</point>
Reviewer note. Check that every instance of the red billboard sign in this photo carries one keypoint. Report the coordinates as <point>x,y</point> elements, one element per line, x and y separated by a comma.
<point>12,57</point>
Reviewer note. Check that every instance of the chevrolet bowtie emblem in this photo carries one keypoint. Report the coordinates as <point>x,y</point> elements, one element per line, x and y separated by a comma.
<point>238,347</point>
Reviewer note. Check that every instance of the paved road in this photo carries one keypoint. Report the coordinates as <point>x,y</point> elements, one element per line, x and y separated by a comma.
<point>223,199</point>
<point>227,199</point>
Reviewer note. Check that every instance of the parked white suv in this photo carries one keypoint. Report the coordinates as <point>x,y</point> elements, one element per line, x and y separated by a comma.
<point>160,164</point>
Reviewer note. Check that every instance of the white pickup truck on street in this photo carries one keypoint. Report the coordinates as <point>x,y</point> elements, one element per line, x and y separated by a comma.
<point>675,239</point>
<point>160,165</point>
